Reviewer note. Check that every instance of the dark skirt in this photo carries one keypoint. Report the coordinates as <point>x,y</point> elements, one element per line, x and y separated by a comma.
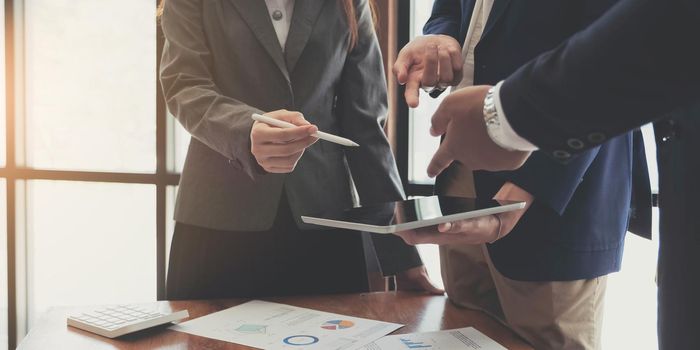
<point>206,263</point>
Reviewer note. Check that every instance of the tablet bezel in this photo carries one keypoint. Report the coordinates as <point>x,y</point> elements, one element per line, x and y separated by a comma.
<point>393,228</point>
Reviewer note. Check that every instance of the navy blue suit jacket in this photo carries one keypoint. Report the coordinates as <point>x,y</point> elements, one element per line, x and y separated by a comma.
<point>575,228</point>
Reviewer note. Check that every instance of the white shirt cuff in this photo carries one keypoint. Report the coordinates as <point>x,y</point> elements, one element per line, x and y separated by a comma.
<point>505,134</point>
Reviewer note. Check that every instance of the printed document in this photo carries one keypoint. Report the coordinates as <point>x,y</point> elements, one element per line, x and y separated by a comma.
<point>464,338</point>
<point>274,326</point>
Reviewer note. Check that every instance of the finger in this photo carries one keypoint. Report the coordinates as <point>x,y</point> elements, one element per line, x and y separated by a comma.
<point>441,160</point>
<point>269,134</point>
<point>456,64</point>
<point>401,67</point>
<point>283,149</point>
<point>295,118</point>
<point>412,86</point>
<point>281,162</point>
<point>451,227</point>
<point>445,227</point>
<point>471,226</point>
<point>440,119</point>
<point>465,227</point>
<point>438,238</point>
<point>445,74</point>
<point>429,287</point>
<point>430,71</point>
<point>279,170</point>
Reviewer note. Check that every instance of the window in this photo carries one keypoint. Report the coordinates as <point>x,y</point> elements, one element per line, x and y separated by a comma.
<point>3,197</point>
<point>94,249</point>
<point>90,85</point>
<point>92,159</point>
<point>421,144</point>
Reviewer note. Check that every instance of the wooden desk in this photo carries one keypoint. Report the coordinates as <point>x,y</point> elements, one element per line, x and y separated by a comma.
<point>420,313</point>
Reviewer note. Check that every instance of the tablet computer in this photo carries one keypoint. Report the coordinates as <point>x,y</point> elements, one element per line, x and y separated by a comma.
<point>410,214</point>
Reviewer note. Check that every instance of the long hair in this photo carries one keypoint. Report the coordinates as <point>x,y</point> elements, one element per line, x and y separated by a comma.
<point>350,15</point>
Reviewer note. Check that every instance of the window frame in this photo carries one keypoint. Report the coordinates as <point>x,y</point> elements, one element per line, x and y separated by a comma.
<point>13,172</point>
<point>402,121</point>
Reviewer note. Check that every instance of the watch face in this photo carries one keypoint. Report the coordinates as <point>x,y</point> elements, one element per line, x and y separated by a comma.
<point>492,122</point>
<point>489,106</point>
<point>490,114</point>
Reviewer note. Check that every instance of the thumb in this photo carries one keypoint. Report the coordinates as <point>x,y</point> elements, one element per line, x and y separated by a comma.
<point>441,118</point>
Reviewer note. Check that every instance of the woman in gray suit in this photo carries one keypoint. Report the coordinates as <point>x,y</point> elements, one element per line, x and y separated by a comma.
<point>316,64</point>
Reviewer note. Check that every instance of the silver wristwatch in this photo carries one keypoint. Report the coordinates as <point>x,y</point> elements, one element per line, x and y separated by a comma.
<point>493,120</point>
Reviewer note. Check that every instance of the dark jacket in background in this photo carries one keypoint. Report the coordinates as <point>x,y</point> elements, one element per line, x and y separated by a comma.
<point>638,63</point>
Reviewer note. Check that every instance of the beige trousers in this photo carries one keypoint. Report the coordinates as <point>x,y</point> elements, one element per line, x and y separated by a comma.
<point>549,315</point>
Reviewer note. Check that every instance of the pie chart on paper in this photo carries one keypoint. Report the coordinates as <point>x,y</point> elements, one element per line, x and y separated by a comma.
<point>337,324</point>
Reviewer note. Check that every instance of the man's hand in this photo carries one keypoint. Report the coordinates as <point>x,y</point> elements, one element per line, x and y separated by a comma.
<point>278,150</point>
<point>460,118</point>
<point>485,229</point>
<point>416,279</point>
<point>427,61</point>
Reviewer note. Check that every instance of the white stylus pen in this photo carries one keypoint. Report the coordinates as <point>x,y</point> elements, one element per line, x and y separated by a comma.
<point>320,134</point>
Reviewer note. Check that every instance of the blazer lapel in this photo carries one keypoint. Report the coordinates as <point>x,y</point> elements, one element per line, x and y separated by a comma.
<point>255,14</point>
<point>498,9</point>
<point>305,14</point>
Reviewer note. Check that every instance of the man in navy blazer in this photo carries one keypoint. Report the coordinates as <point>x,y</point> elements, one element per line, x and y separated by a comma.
<point>636,64</point>
<point>572,234</point>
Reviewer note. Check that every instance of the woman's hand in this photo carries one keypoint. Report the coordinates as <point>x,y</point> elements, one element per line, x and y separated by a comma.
<point>278,150</point>
<point>417,279</point>
<point>485,229</point>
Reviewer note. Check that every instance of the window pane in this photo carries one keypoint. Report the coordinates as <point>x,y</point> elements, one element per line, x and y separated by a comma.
<point>3,264</point>
<point>650,148</point>
<point>90,243</point>
<point>422,146</point>
<point>179,141</point>
<point>170,196</point>
<point>91,84</point>
<point>630,297</point>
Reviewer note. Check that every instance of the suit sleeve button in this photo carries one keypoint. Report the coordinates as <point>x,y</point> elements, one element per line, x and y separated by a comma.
<point>575,144</point>
<point>559,154</point>
<point>596,137</point>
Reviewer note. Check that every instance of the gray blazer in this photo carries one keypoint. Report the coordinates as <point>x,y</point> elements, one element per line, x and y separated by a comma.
<point>222,62</point>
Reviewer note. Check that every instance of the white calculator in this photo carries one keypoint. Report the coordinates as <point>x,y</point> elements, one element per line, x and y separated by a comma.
<point>115,321</point>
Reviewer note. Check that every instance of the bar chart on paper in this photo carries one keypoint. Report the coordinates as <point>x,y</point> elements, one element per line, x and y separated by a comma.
<point>463,338</point>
